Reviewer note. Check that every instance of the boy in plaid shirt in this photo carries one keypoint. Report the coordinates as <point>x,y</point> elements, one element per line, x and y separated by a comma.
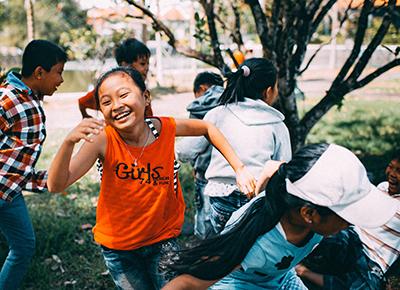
<point>22,133</point>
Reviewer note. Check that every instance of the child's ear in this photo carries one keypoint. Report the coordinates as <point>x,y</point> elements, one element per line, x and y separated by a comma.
<point>147,97</point>
<point>38,73</point>
<point>308,214</point>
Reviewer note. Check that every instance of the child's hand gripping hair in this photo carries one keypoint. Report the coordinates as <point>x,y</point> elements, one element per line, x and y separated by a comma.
<point>271,166</point>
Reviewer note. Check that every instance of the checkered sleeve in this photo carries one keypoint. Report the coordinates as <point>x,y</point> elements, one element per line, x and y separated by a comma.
<point>21,136</point>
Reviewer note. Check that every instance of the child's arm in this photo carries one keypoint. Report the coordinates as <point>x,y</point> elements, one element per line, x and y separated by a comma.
<point>188,282</point>
<point>63,170</point>
<point>190,127</point>
<point>271,166</point>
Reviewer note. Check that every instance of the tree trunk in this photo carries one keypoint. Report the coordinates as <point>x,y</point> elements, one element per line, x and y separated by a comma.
<point>30,21</point>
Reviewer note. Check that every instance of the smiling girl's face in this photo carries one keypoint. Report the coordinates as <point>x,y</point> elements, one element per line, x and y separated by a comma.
<point>121,101</point>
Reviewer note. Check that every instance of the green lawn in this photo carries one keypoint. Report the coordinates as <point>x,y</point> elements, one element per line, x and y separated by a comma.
<point>67,258</point>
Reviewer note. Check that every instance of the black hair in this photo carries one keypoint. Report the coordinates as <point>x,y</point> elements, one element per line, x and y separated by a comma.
<point>132,73</point>
<point>207,78</point>
<point>262,75</point>
<point>42,53</point>
<point>216,257</point>
<point>130,50</point>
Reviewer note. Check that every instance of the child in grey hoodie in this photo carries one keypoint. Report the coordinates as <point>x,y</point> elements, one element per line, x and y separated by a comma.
<point>207,89</point>
<point>255,130</point>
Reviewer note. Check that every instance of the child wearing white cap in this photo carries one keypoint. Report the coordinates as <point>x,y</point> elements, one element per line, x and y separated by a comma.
<point>322,190</point>
<point>358,258</point>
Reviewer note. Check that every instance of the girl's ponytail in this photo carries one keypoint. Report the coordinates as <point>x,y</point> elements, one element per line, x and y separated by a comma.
<point>234,91</point>
<point>215,258</point>
<point>253,77</point>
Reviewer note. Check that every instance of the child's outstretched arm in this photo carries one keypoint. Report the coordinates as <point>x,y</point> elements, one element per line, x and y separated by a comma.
<point>63,170</point>
<point>188,282</point>
<point>189,127</point>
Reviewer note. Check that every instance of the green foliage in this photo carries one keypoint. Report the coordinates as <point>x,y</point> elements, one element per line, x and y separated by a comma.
<point>64,16</point>
<point>82,43</point>
<point>201,33</point>
<point>370,128</point>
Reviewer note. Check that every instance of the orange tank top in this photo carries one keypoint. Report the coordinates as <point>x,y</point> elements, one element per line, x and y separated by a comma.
<point>138,205</point>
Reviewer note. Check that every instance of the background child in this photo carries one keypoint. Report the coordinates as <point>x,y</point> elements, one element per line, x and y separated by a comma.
<point>22,133</point>
<point>357,258</point>
<point>318,193</point>
<point>140,206</point>
<point>207,88</point>
<point>254,128</point>
<point>131,53</point>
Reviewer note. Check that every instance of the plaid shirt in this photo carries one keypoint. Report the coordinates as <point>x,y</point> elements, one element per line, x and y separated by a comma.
<point>22,133</point>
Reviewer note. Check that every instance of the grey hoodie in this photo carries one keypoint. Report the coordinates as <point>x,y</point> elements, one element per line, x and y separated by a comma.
<point>197,109</point>
<point>256,132</point>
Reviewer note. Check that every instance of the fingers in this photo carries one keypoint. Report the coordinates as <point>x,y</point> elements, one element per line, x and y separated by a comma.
<point>86,129</point>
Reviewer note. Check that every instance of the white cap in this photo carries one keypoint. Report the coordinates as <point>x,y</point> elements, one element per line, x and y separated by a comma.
<point>339,181</point>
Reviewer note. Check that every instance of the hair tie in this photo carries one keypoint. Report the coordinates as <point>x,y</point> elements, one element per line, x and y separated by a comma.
<point>246,70</point>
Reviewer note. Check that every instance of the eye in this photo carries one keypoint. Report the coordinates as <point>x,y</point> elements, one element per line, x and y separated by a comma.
<point>106,102</point>
<point>124,95</point>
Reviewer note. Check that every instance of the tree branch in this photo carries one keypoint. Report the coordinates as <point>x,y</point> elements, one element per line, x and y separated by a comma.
<point>361,29</point>
<point>261,25</point>
<point>342,21</point>
<point>376,40</point>
<point>376,73</point>
<point>208,6</point>
<point>182,49</point>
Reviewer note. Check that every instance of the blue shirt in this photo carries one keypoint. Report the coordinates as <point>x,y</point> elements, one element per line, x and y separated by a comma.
<point>270,261</point>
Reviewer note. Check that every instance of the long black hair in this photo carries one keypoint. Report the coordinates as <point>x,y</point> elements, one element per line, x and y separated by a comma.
<point>132,73</point>
<point>252,78</point>
<point>215,258</point>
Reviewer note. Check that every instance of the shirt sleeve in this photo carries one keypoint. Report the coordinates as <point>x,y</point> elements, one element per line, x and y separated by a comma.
<point>188,148</point>
<point>255,259</point>
<point>37,182</point>
<point>283,151</point>
<point>88,101</point>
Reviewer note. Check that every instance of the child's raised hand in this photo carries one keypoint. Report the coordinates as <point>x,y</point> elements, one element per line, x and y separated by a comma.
<point>85,130</point>
<point>271,166</point>
<point>245,181</point>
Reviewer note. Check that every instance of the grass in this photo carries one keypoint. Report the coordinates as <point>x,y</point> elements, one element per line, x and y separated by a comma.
<point>66,256</point>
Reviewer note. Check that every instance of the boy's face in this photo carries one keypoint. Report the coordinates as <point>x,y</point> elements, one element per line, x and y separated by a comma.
<point>141,65</point>
<point>393,176</point>
<point>50,80</point>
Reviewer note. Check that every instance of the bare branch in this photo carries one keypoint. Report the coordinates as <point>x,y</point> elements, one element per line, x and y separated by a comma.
<point>342,21</point>
<point>317,20</point>
<point>237,25</point>
<point>366,55</point>
<point>312,58</point>
<point>376,40</point>
<point>182,49</point>
<point>208,6</point>
<point>261,24</point>
<point>377,73</point>
<point>235,39</point>
<point>361,29</point>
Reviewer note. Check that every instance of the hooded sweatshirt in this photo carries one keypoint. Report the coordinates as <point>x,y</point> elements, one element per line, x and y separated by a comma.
<point>197,109</point>
<point>256,132</point>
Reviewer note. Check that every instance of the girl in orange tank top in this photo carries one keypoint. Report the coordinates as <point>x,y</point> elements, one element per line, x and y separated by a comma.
<point>140,206</point>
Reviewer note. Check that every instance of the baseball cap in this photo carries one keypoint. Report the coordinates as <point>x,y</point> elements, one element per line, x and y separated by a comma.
<point>339,181</point>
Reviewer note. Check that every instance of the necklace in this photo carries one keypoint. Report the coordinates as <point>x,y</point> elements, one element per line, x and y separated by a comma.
<point>136,159</point>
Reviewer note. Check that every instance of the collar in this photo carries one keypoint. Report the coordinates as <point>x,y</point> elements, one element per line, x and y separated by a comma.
<point>14,79</point>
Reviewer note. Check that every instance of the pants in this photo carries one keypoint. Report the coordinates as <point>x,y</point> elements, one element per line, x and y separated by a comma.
<point>202,224</point>
<point>16,226</point>
<point>223,207</point>
<point>140,268</point>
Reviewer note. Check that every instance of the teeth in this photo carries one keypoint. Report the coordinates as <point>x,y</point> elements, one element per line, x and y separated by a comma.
<point>120,116</point>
